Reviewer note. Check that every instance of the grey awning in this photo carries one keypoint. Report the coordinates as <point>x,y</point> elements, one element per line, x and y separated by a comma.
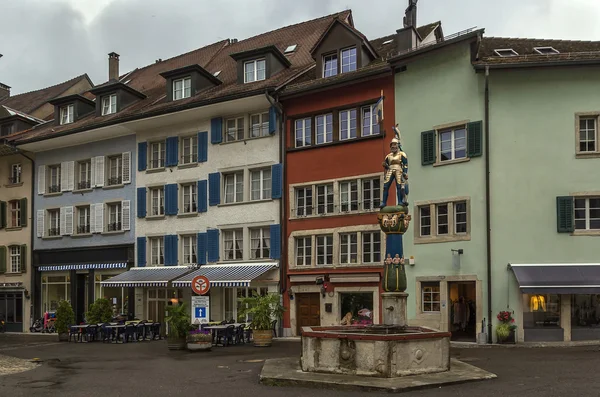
<point>147,276</point>
<point>574,278</point>
<point>83,266</point>
<point>229,275</point>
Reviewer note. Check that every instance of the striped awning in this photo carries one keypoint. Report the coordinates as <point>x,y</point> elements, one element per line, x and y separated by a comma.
<point>146,276</point>
<point>229,275</point>
<point>83,266</point>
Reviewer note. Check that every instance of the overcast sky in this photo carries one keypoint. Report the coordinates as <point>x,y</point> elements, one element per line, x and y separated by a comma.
<point>45,42</point>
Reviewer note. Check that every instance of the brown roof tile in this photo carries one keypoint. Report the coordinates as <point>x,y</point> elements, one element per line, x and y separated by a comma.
<point>390,46</point>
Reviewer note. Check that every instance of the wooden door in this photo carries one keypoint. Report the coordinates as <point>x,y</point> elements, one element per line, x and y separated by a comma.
<point>308,311</point>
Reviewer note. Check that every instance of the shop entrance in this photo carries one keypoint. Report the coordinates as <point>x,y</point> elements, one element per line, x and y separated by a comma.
<point>81,298</point>
<point>462,299</point>
<point>11,310</point>
<point>308,311</point>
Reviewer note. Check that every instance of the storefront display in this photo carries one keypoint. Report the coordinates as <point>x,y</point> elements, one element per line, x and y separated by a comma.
<point>357,308</point>
<point>542,310</point>
<point>54,289</point>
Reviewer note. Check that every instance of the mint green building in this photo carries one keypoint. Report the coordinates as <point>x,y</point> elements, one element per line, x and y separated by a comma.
<point>513,220</point>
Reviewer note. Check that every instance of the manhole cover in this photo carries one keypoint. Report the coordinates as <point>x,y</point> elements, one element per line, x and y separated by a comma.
<point>39,384</point>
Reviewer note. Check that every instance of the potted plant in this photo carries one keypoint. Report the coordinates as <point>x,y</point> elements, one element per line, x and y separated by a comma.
<point>263,309</point>
<point>198,339</point>
<point>100,312</point>
<point>65,317</point>
<point>505,331</point>
<point>178,321</point>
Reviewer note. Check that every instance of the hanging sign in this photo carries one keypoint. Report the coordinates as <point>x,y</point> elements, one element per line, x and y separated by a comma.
<point>200,309</point>
<point>200,285</point>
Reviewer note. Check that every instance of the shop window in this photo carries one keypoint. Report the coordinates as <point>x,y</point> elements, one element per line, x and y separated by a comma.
<point>357,308</point>
<point>541,310</point>
<point>55,289</point>
<point>585,311</point>
<point>117,296</point>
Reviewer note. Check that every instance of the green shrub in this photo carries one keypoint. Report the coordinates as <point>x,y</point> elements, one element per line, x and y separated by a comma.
<point>178,321</point>
<point>263,309</point>
<point>502,331</point>
<point>100,312</point>
<point>65,317</point>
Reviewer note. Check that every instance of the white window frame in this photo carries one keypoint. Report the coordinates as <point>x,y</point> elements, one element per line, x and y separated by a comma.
<point>84,166</point>
<point>304,126</point>
<point>333,71</point>
<point>115,215</point>
<point>86,211</point>
<point>328,199</point>
<point>260,184</point>
<point>186,88</point>
<point>262,127</point>
<point>303,251</point>
<point>324,121</point>
<point>456,214</point>
<point>347,203</point>
<point>53,223</point>
<point>373,253</point>
<point>505,52</point>
<point>345,55</point>
<point>374,193</point>
<point>587,215</point>
<point>346,116</point>
<point>115,170</point>
<point>346,248</point>
<point>189,149</point>
<point>17,213</point>
<point>453,214</point>
<point>15,173</point>
<point>546,50</point>
<point>54,175</point>
<point>430,294</point>
<point>453,143</point>
<point>109,104</point>
<point>439,214</point>
<point>586,141</point>
<point>425,213</point>
<point>259,236</point>
<point>157,250</point>
<point>324,242</point>
<point>251,76</point>
<point>66,114</point>
<point>159,161</point>
<point>236,236</point>
<point>189,250</point>
<point>372,128</point>
<point>15,259</point>
<point>301,194</point>
<point>235,133</point>
<point>233,186</point>
<point>157,200</point>
<point>189,198</point>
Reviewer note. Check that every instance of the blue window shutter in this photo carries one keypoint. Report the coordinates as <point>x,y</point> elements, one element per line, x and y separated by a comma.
<point>141,251</point>
<point>141,202</point>
<point>202,199</point>
<point>201,248</point>
<point>168,253</point>
<point>275,241</point>
<point>202,146</point>
<point>272,120</point>
<point>171,152</point>
<point>216,130</point>
<point>174,249</point>
<point>276,181</point>
<point>212,237</point>
<point>214,188</point>
<point>142,155</point>
<point>171,199</point>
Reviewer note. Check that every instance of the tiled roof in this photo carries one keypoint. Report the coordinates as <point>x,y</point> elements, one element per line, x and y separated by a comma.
<point>387,45</point>
<point>215,57</point>
<point>30,101</point>
<point>426,30</point>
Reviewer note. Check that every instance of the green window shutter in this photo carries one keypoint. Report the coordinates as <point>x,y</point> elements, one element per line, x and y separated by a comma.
<point>428,147</point>
<point>564,214</point>
<point>474,138</point>
<point>3,214</point>
<point>24,212</point>
<point>2,259</point>
<point>24,258</point>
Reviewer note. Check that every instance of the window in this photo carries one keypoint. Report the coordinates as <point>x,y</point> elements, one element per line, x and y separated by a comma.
<point>543,311</point>
<point>453,144</point>
<point>15,174</point>
<point>371,193</point>
<point>14,208</point>
<point>325,250</point>
<point>430,297</point>
<point>324,128</point>
<point>83,219</point>
<point>290,48</point>
<point>588,135</point>
<point>189,149</point>
<point>506,52</point>
<point>7,129</point>
<point>114,217</point>
<point>189,197</point>
<point>425,220</point>
<point>54,178</point>
<point>359,305</point>
<point>234,187</point>
<point>109,104</point>
<point>330,65</point>
<point>371,247</point>
<point>349,60</point>
<point>157,201</point>
<point>347,124</point>
<point>260,181</point>
<point>254,70</point>
<point>325,199</point>
<point>303,251</point>
<point>54,222</point>
<point>546,50</point>
<point>115,170</point>
<point>442,219</point>
<point>233,244</point>
<point>349,248</point>
<point>157,154</point>
<point>15,259</point>
<point>189,249</point>
<point>303,132</point>
<point>157,251</point>
<point>460,217</point>
<point>66,114</point>
<point>349,196</point>
<point>235,130</point>
<point>447,220</point>
<point>585,311</point>
<point>303,201</point>
<point>260,243</point>
<point>587,213</point>
<point>182,88</point>
<point>259,125</point>
<point>84,172</point>
<point>369,121</point>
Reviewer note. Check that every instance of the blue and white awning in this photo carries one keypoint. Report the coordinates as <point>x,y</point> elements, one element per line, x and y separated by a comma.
<point>120,265</point>
<point>227,275</point>
<point>146,276</point>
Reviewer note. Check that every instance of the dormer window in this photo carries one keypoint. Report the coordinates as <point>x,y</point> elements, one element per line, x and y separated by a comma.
<point>254,70</point>
<point>66,114</point>
<point>349,60</point>
<point>182,88</point>
<point>109,104</point>
<point>330,65</point>
<point>506,52</point>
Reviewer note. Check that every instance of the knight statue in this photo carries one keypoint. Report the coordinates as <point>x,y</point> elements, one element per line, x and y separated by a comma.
<point>396,169</point>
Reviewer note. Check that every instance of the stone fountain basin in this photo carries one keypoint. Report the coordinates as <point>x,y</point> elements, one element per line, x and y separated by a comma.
<point>385,351</point>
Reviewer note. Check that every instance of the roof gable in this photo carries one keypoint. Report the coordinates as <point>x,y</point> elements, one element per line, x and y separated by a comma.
<point>358,35</point>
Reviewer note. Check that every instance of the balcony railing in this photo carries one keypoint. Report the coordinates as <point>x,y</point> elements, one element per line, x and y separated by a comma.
<point>113,227</point>
<point>54,231</point>
<point>115,180</point>
<point>84,185</point>
<point>159,163</point>
<point>188,159</point>
<point>81,229</point>
<point>53,188</point>
<point>14,179</point>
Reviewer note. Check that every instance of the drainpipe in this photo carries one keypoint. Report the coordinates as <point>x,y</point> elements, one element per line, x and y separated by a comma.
<point>487,202</point>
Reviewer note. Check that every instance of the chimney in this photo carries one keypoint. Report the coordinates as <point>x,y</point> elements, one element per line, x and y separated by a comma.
<point>4,91</point>
<point>113,66</point>
<point>407,38</point>
<point>410,14</point>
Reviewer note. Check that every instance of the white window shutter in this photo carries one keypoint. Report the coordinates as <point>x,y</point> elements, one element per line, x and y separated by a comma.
<point>92,218</point>
<point>71,167</point>
<point>64,176</point>
<point>40,223</point>
<point>41,179</point>
<point>68,221</point>
<point>99,166</point>
<point>92,176</point>
<point>63,219</point>
<point>126,160</point>
<point>126,214</point>
<point>99,215</point>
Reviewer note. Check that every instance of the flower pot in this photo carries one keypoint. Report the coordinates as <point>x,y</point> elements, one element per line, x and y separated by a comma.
<point>199,346</point>
<point>63,337</point>
<point>262,338</point>
<point>509,340</point>
<point>176,343</point>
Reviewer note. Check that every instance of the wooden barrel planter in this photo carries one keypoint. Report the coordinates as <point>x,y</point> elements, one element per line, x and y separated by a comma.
<point>262,338</point>
<point>176,343</point>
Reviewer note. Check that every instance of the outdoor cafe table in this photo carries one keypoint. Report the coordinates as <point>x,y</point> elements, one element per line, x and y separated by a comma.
<point>215,328</point>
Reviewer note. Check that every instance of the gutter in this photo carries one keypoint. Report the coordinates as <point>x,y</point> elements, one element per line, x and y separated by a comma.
<point>487,66</point>
<point>487,202</point>
<point>32,232</point>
